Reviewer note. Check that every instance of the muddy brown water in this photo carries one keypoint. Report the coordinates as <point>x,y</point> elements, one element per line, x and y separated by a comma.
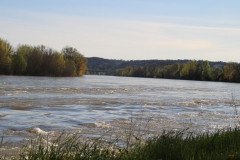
<point>91,105</point>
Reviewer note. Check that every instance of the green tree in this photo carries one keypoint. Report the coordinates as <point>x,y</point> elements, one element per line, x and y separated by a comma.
<point>118,72</point>
<point>236,67</point>
<point>205,71</point>
<point>46,65</point>
<point>159,72</point>
<point>69,70</point>
<point>139,71</point>
<point>5,57</point>
<point>19,64</point>
<point>189,70</point>
<point>34,61</point>
<point>151,71</point>
<point>172,71</point>
<point>217,74</point>
<point>57,64</point>
<point>19,59</point>
<point>127,71</point>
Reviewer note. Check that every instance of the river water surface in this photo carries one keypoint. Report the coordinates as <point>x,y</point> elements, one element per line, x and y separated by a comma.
<point>92,105</point>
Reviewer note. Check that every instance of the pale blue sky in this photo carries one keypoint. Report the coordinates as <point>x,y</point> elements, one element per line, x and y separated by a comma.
<point>127,29</point>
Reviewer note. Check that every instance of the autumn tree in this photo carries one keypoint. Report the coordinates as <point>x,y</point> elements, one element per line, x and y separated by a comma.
<point>72,56</point>
<point>231,72</point>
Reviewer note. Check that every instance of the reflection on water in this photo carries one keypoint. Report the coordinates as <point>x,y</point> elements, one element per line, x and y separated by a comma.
<point>93,104</point>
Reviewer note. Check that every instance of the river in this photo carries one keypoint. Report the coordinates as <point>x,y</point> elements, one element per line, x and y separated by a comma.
<point>92,105</point>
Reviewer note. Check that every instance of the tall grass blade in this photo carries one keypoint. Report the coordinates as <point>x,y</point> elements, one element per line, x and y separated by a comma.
<point>1,143</point>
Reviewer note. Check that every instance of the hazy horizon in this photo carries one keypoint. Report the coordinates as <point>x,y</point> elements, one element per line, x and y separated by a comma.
<point>156,59</point>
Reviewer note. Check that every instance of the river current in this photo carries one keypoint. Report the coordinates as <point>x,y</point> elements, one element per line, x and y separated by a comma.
<point>92,105</point>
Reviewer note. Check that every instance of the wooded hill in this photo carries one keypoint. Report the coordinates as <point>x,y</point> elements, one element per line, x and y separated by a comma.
<point>103,66</point>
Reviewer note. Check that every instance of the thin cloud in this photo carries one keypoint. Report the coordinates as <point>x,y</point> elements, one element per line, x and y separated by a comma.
<point>119,38</point>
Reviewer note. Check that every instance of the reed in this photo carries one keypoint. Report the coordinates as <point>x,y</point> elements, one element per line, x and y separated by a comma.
<point>1,143</point>
<point>68,147</point>
<point>173,145</point>
<point>221,145</point>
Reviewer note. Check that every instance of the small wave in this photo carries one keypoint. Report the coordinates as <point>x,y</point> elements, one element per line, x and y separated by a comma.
<point>63,88</point>
<point>36,130</point>
<point>100,124</point>
<point>3,115</point>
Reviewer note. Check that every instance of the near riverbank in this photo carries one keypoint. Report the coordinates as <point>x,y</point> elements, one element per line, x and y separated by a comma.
<point>173,145</point>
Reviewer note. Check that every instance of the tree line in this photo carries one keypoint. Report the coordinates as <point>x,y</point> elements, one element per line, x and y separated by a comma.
<point>191,70</point>
<point>40,60</point>
<point>98,65</point>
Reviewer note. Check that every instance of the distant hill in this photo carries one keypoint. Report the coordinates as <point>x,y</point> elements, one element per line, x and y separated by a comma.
<point>98,65</point>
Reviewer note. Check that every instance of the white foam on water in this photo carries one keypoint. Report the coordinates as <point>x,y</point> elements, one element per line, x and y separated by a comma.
<point>36,130</point>
<point>102,124</point>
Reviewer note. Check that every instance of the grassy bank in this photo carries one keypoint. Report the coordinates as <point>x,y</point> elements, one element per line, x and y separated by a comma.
<point>221,145</point>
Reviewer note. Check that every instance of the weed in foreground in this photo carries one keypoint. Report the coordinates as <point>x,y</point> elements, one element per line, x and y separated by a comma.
<point>173,145</point>
<point>1,142</point>
<point>68,147</point>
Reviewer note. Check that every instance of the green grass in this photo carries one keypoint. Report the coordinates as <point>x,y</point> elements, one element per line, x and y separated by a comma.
<point>221,145</point>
